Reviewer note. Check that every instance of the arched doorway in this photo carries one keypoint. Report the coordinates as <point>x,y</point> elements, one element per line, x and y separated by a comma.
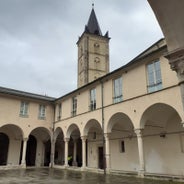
<point>4,144</point>
<point>31,151</point>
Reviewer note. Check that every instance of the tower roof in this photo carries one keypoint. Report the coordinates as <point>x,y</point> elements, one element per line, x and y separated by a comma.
<point>93,26</point>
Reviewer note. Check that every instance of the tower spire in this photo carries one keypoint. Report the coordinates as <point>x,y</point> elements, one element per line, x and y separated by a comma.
<point>92,25</point>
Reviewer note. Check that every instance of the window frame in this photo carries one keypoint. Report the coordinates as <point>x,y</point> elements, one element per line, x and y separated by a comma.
<point>92,99</point>
<point>59,111</point>
<point>24,107</point>
<point>118,92</point>
<point>122,146</point>
<point>42,112</point>
<point>74,106</point>
<point>154,76</point>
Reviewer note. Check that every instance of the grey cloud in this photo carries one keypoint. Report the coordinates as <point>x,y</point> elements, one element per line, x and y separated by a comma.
<point>38,39</point>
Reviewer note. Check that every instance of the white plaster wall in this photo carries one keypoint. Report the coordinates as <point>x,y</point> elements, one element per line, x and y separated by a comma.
<point>164,155</point>
<point>127,161</point>
<point>93,154</point>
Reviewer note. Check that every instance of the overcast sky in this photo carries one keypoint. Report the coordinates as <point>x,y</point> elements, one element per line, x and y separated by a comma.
<point>38,51</point>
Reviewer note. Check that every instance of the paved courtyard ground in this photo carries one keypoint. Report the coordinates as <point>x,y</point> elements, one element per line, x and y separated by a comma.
<point>55,176</point>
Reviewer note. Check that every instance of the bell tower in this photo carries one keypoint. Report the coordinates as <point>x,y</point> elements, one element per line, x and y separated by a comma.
<point>93,52</point>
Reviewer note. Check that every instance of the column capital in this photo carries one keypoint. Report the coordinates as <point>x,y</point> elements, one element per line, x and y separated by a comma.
<point>176,61</point>
<point>25,138</point>
<point>106,135</point>
<point>138,132</point>
<point>84,138</point>
<point>66,139</point>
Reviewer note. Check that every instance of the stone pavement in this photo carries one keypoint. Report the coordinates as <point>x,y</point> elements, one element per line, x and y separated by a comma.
<point>57,176</point>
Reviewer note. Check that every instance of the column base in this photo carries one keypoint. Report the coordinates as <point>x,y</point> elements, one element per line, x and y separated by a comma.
<point>141,173</point>
<point>83,168</point>
<point>23,165</point>
<point>51,165</point>
<point>66,166</point>
<point>74,163</point>
<point>107,170</point>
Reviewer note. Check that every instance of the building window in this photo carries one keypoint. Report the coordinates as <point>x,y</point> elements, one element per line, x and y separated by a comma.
<point>24,109</point>
<point>42,112</point>
<point>74,106</point>
<point>122,146</point>
<point>118,96</point>
<point>92,99</point>
<point>59,111</point>
<point>154,77</point>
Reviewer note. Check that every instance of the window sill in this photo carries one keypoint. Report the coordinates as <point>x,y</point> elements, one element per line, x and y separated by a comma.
<point>41,118</point>
<point>23,116</point>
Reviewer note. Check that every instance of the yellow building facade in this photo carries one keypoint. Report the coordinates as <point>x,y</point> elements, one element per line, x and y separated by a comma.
<point>125,121</point>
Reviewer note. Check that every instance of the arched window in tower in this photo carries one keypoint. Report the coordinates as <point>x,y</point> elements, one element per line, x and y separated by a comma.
<point>97,63</point>
<point>97,47</point>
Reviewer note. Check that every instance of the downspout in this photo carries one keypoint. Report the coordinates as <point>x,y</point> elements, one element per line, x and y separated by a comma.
<point>52,141</point>
<point>103,128</point>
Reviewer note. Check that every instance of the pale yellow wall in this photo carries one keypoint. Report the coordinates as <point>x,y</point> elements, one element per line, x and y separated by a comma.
<point>66,108</point>
<point>134,87</point>
<point>83,101</point>
<point>134,82</point>
<point>10,110</point>
<point>127,161</point>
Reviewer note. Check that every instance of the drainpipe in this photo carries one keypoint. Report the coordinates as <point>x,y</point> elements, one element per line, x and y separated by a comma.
<point>102,101</point>
<point>52,142</point>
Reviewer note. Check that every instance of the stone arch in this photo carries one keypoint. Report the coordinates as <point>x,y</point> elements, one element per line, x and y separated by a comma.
<point>59,146</point>
<point>123,143</point>
<point>119,117</point>
<point>15,135</point>
<point>158,113</point>
<point>163,139</point>
<point>73,127</point>
<point>93,123</point>
<point>13,131</point>
<point>57,131</point>
<point>41,139</point>
<point>74,145</point>
<point>94,134</point>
